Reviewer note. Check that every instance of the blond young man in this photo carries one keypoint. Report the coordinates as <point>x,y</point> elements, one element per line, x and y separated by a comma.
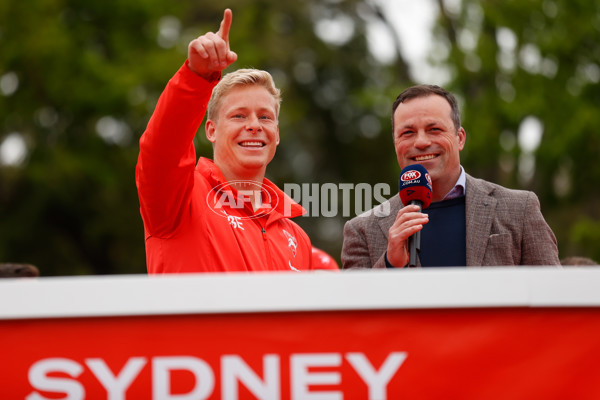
<point>222,214</point>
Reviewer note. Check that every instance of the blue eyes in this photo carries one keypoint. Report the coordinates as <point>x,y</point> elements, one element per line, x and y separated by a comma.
<point>261,117</point>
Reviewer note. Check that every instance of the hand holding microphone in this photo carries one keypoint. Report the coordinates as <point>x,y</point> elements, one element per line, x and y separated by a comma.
<point>404,239</point>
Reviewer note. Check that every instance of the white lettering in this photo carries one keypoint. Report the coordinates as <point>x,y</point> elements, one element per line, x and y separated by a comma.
<point>229,200</point>
<point>376,381</point>
<point>246,196</point>
<point>161,384</point>
<point>39,379</point>
<point>302,378</point>
<point>307,372</point>
<point>234,369</point>
<point>116,386</point>
<point>362,191</point>
<point>329,200</point>
<point>379,191</point>
<point>295,193</point>
<point>310,199</point>
<point>324,201</point>
<point>346,188</point>
<point>410,175</point>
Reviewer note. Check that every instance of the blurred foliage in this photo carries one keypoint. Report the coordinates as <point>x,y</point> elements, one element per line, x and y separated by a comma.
<point>88,74</point>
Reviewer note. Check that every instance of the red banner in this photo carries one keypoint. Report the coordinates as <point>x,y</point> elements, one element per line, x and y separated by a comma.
<point>476,353</point>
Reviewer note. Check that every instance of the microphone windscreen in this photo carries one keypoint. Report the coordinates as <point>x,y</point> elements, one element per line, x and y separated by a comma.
<point>415,184</point>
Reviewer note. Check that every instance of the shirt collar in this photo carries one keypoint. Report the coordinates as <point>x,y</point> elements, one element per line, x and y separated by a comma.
<point>459,188</point>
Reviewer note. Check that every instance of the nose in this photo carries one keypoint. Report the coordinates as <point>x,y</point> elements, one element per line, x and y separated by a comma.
<point>422,140</point>
<point>253,124</point>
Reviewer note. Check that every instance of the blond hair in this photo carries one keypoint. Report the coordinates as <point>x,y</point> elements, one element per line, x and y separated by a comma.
<point>242,77</point>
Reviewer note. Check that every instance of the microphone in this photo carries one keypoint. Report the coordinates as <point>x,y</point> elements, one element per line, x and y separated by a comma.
<point>415,188</point>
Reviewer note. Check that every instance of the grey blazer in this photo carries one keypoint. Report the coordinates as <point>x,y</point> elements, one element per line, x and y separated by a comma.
<point>504,227</point>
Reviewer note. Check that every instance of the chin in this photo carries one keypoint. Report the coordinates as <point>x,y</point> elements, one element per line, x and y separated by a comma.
<point>254,164</point>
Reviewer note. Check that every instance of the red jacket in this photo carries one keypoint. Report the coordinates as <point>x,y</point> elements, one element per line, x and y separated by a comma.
<point>193,220</point>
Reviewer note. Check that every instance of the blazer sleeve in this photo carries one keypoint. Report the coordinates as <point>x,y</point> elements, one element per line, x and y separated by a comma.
<point>539,246</point>
<point>356,249</point>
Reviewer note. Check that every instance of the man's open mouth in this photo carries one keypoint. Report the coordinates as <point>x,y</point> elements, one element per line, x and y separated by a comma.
<point>425,157</point>
<point>255,144</point>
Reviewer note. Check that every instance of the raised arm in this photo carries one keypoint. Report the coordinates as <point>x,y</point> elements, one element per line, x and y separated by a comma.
<point>165,169</point>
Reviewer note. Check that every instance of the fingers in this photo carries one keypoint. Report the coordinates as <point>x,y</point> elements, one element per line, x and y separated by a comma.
<point>225,26</point>
<point>411,208</point>
<point>213,49</point>
<point>408,221</point>
<point>210,52</point>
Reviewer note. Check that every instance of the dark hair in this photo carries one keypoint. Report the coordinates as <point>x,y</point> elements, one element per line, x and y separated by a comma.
<point>414,92</point>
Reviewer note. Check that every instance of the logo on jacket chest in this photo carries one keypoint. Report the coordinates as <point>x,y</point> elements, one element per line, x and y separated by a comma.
<point>292,242</point>
<point>234,221</point>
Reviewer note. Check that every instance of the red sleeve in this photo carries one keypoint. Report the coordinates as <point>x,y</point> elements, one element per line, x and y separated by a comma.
<point>165,168</point>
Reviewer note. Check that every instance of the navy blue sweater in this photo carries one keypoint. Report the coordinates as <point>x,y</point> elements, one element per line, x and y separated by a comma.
<point>443,238</point>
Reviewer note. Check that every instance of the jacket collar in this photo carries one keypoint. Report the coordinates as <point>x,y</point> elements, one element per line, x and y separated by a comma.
<point>276,204</point>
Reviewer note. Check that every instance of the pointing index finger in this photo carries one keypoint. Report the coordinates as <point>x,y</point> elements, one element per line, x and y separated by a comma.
<point>225,25</point>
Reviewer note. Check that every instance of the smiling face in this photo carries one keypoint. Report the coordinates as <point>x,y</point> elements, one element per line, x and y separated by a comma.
<point>244,132</point>
<point>424,133</point>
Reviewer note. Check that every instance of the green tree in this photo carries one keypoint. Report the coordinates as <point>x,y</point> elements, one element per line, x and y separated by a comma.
<point>85,75</point>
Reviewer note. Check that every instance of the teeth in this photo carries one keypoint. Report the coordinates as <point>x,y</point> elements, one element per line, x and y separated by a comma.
<point>252,144</point>
<point>423,158</point>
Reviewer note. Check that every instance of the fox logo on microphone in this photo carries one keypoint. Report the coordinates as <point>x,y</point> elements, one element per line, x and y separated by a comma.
<point>415,185</point>
<point>410,175</point>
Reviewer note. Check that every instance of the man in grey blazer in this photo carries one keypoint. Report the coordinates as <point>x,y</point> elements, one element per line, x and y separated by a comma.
<point>473,222</point>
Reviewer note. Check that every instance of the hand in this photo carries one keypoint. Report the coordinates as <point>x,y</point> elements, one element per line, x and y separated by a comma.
<point>209,54</point>
<point>408,221</point>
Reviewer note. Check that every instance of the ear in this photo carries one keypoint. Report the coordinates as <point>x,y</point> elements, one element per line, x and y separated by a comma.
<point>211,130</point>
<point>462,138</point>
<point>277,136</point>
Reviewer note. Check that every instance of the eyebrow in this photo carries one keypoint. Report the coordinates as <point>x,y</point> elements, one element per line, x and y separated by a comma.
<point>245,108</point>
<point>429,125</point>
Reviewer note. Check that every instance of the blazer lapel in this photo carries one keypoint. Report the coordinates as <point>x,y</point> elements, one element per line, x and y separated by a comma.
<point>480,208</point>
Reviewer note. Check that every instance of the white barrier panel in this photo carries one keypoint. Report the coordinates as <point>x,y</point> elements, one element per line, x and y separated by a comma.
<point>490,333</point>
